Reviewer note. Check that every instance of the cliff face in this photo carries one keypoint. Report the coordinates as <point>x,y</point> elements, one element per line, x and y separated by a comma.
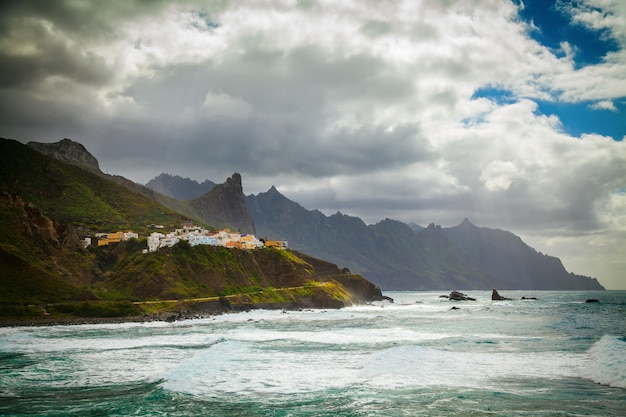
<point>68,151</point>
<point>395,256</point>
<point>389,253</point>
<point>506,255</point>
<point>40,260</point>
<point>225,206</point>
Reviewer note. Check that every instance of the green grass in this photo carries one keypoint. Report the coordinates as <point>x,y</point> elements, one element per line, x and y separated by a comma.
<point>96,309</point>
<point>70,195</point>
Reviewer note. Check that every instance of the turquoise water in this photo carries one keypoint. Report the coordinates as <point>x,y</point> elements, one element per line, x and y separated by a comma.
<point>555,356</point>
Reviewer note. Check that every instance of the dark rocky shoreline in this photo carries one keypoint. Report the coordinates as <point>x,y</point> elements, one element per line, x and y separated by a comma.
<point>191,312</point>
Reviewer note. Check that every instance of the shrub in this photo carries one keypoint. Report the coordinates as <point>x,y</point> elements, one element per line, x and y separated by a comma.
<point>98,309</point>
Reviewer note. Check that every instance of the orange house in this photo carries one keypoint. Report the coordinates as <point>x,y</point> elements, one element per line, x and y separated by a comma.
<point>278,244</point>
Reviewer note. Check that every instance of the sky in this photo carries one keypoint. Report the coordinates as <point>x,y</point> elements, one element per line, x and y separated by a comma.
<point>511,113</point>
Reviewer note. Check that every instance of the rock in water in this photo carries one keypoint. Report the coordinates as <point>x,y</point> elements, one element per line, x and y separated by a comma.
<point>497,297</point>
<point>459,296</point>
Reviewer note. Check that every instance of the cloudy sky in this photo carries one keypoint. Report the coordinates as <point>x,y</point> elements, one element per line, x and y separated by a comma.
<point>510,113</point>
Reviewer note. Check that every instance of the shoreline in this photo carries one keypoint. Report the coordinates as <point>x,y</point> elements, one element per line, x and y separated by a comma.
<point>166,316</point>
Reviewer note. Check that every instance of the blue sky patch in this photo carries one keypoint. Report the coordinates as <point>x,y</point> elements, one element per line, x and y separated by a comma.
<point>207,23</point>
<point>577,118</point>
<point>555,26</point>
<point>580,118</point>
<point>495,94</point>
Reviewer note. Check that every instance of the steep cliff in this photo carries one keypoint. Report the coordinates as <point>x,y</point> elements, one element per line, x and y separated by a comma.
<point>225,207</point>
<point>67,150</point>
<point>505,255</point>
<point>40,260</point>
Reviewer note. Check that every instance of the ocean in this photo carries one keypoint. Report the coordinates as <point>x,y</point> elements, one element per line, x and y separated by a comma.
<point>554,356</point>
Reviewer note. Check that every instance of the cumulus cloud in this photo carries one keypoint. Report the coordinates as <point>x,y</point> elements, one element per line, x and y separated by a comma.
<point>349,106</point>
<point>603,105</point>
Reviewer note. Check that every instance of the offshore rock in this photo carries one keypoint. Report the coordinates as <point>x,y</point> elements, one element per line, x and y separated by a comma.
<point>497,297</point>
<point>459,296</point>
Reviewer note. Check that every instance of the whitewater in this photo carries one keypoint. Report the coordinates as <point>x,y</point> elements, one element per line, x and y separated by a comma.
<point>554,356</point>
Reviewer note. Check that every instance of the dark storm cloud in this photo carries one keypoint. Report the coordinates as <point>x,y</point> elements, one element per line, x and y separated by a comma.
<point>40,54</point>
<point>289,127</point>
<point>353,107</point>
<point>84,18</point>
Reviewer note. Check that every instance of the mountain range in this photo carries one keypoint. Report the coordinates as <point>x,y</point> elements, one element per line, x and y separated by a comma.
<point>399,256</point>
<point>391,254</point>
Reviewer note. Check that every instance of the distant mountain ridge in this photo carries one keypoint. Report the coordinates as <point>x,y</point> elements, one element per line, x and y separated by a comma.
<point>505,254</point>
<point>178,187</point>
<point>396,256</point>
<point>393,255</point>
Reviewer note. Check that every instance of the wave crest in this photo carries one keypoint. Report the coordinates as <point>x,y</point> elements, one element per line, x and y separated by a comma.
<point>607,364</point>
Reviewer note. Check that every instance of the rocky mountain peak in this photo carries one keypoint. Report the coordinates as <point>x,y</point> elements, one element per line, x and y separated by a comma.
<point>235,182</point>
<point>466,223</point>
<point>224,206</point>
<point>66,150</point>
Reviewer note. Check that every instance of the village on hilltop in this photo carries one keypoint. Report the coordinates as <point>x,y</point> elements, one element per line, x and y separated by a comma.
<point>189,232</point>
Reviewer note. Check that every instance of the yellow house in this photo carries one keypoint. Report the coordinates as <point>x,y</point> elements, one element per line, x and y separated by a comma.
<point>115,237</point>
<point>278,244</point>
<point>250,242</point>
<point>107,238</point>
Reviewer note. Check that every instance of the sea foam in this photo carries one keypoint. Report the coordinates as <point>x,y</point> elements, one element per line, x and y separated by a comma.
<point>426,367</point>
<point>607,362</point>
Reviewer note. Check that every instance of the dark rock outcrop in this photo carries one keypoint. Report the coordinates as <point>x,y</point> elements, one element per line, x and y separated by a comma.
<point>497,297</point>
<point>67,150</point>
<point>362,290</point>
<point>225,206</point>
<point>459,296</point>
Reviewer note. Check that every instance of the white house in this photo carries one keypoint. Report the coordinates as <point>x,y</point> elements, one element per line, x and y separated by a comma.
<point>154,241</point>
<point>129,235</point>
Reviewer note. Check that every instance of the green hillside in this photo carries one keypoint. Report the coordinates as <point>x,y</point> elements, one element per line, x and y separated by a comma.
<point>68,194</point>
<point>46,206</point>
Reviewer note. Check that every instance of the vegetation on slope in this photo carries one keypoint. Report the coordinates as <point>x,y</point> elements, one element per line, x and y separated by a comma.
<point>47,205</point>
<point>68,194</point>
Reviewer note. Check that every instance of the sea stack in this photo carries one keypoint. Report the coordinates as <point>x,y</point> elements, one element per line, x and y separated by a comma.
<point>497,297</point>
